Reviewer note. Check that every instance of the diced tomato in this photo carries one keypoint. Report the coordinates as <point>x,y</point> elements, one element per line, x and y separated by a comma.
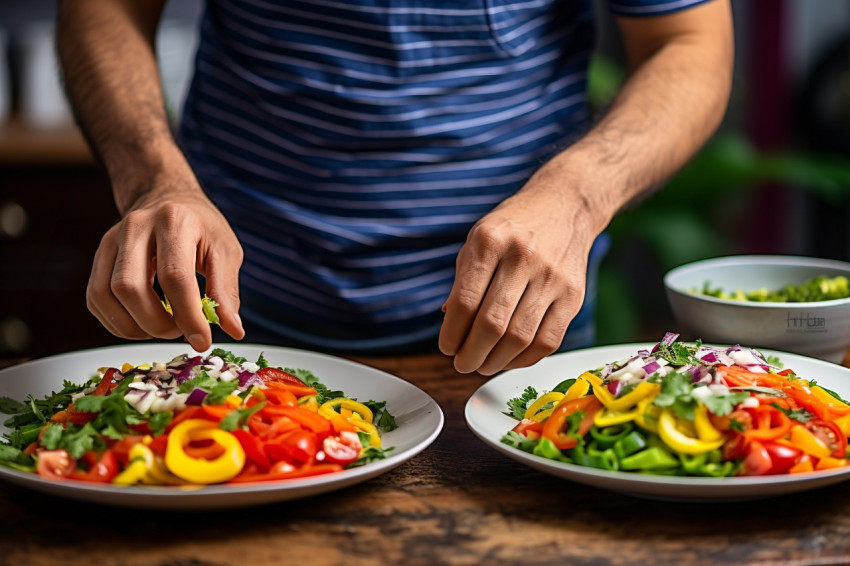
<point>830,434</point>
<point>342,450</point>
<point>735,447</point>
<point>55,464</point>
<point>277,377</point>
<point>757,461</point>
<point>100,471</point>
<point>782,457</point>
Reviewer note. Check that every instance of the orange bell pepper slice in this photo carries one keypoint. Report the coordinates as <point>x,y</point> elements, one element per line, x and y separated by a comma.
<point>555,426</point>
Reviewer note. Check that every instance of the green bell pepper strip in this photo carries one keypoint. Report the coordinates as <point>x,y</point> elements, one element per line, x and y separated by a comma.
<point>629,444</point>
<point>592,457</point>
<point>706,464</point>
<point>546,448</point>
<point>607,436</point>
<point>650,459</point>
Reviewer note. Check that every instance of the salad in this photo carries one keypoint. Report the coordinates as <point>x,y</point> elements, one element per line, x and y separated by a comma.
<point>194,420</point>
<point>820,288</point>
<point>686,409</point>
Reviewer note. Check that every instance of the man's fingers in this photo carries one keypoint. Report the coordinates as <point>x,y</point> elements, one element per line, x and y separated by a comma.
<point>132,282</point>
<point>175,271</point>
<point>498,309</point>
<point>222,280</point>
<point>100,300</point>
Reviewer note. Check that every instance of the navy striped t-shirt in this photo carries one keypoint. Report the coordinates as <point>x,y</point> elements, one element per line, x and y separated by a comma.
<point>353,144</point>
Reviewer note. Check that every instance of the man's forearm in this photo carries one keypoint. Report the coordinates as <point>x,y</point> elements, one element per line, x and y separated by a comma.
<point>670,105</point>
<point>109,66</point>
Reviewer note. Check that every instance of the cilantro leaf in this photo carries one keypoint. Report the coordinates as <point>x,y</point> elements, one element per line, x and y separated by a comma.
<point>159,421</point>
<point>220,392</point>
<point>676,389</point>
<point>722,405</point>
<point>322,392</point>
<point>799,415</point>
<point>10,406</point>
<point>238,417</point>
<point>14,458</point>
<point>518,405</point>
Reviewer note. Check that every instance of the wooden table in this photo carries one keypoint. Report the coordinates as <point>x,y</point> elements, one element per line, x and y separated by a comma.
<point>459,502</point>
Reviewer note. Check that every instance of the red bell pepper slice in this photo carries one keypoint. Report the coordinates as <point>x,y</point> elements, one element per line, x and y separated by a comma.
<point>529,428</point>
<point>253,448</point>
<point>555,426</point>
<point>308,419</point>
<point>769,423</point>
<point>276,377</point>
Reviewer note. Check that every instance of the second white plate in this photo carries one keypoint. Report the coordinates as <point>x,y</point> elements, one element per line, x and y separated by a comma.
<point>485,416</point>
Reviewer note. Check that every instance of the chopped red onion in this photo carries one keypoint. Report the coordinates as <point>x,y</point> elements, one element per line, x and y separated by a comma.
<point>699,373</point>
<point>196,397</point>
<point>248,378</point>
<point>709,358</point>
<point>651,367</point>
<point>614,387</point>
<point>187,369</point>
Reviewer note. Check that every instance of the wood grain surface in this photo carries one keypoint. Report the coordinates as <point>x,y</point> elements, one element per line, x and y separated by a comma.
<point>457,503</point>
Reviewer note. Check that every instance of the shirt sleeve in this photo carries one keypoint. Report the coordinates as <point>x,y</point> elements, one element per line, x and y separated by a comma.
<point>638,8</point>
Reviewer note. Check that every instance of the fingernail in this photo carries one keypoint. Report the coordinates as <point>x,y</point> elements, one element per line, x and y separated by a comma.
<point>195,339</point>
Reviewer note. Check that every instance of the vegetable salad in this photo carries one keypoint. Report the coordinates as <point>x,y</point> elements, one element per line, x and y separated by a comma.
<point>820,288</point>
<point>686,409</point>
<point>193,420</point>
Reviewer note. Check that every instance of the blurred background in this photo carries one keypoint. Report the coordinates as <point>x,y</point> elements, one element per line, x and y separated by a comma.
<point>774,179</point>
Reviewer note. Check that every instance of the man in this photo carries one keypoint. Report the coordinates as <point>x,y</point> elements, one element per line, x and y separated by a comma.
<point>397,173</point>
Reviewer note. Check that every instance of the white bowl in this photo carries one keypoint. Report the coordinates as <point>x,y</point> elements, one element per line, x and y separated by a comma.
<point>819,329</point>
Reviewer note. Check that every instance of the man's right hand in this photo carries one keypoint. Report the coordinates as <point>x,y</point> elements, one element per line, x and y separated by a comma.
<point>170,233</point>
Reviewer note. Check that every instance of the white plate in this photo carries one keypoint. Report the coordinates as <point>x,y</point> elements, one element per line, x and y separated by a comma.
<point>484,415</point>
<point>418,416</point>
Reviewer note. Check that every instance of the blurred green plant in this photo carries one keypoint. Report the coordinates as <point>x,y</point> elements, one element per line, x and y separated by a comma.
<point>694,216</point>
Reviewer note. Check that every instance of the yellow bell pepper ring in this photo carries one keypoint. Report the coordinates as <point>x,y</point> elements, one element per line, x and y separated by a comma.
<point>647,414</point>
<point>541,402</point>
<point>606,417</point>
<point>705,430</point>
<point>679,441</point>
<point>200,470</point>
<point>350,404</point>
<point>577,389</point>
<point>140,461</point>
<point>627,401</point>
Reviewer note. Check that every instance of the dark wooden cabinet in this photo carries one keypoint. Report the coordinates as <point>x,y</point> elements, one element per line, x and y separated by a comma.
<point>55,205</point>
